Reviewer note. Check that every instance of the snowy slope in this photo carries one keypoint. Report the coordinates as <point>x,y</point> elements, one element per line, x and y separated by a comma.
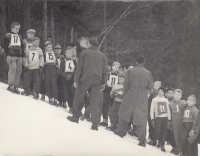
<point>33,127</point>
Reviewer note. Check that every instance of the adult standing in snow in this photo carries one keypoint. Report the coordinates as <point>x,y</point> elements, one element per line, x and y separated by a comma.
<point>135,102</point>
<point>91,75</point>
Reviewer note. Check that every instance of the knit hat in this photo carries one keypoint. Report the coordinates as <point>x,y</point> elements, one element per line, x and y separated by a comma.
<point>158,83</point>
<point>93,42</point>
<point>48,42</point>
<point>36,38</point>
<point>69,49</point>
<point>192,97</point>
<point>163,89</point>
<point>178,90</point>
<point>31,31</point>
<point>121,74</point>
<point>116,63</point>
<point>57,46</point>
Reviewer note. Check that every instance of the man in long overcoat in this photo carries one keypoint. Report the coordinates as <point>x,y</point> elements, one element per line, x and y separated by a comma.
<point>135,102</point>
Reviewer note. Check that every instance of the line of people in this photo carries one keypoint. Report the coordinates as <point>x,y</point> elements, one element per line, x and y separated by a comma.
<point>120,96</point>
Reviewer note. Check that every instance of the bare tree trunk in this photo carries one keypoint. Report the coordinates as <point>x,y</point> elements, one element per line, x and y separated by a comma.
<point>52,26</point>
<point>65,35</point>
<point>45,19</point>
<point>72,35</point>
<point>104,19</point>
<point>2,21</point>
<point>27,14</point>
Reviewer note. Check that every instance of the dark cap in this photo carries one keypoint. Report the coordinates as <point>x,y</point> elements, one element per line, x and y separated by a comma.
<point>94,42</point>
<point>140,59</point>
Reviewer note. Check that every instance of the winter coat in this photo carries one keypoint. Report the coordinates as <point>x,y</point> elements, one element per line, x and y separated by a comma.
<point>196,134</point>
<point>137,81</point>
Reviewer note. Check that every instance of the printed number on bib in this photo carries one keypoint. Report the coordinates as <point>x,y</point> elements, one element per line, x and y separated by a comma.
<point>112,80</point>
<point>186,113</point>
<point>162,108</point>
<point>15,40</point>
<point>50,57</point>
<point>33,56</point>
<point>69,66</point>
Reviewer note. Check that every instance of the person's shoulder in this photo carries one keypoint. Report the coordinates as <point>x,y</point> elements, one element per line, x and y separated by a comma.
<point>195,109</point>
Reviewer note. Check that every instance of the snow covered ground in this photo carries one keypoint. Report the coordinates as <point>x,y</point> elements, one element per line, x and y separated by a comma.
<point>32,127</point>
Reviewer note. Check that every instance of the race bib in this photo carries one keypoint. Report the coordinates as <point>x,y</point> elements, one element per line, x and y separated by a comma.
<point>69,66</point>
<point>112,80</point>
<point>187,114</point>
<point>162,108</point>
<point>50,57</point>
<point>15,40</point>
<point>33,56</point>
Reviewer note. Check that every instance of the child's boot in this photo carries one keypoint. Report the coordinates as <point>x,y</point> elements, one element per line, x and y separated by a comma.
<point>25,92</point>
<point>112,127</point>
<point>36,96</point>
<point>43,97</point>
<point>104,123</point>
<point>56,103</point>
<point>16,90</point>
<point>163,148</point>
<point>51,102</point>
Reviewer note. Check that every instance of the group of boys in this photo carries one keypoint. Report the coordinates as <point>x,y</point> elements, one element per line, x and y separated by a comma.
<point>44,72</point>
<point>173,120</point>
<point>49,73</point>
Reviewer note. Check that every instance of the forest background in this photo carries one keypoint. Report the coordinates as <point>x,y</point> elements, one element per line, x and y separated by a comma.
<point>167,33</point>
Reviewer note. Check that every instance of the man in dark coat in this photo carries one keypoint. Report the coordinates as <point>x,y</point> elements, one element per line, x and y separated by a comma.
<point>135,102</point>
<point>91,75</point>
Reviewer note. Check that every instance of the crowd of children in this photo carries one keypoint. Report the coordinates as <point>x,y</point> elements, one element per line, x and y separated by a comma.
<point>49,73</point>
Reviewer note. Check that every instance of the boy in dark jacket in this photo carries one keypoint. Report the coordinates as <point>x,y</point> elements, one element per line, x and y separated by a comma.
<point>14,50</point>
<point>68,67</point>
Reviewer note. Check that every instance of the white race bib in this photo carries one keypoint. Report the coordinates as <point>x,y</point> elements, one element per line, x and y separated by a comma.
<point>69,66</point>
<point>33,56</point>
<point>50,57</point>
<point>15,40</point>
<point>112,80</point>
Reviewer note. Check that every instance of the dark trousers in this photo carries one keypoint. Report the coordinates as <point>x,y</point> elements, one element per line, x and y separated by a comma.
<point>113,112</point>
<point>60,89</point>
<point>151,129</point>
<point>42,87</point>
<point>107,102</point>
<point>192,149</point>
<point>94,88</point>
<point>177,131</point>
<point>141,129</point>
<point>27,79</point>
<point>69,91</point>
<point>161,130</point>
<point>170,139</point>
<point>186,128</point>
<point>50,73</point>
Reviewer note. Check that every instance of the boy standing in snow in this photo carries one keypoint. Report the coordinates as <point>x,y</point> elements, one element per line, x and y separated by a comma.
<point>156,86</point>
<point>160,107</point>
<point>189,118</point>
<point>59,58</point>
<point>50,71</point>
<point>68,67</point>
<point>107,100</point>
<point>14,50</point>
<point>27,43</point>
<point>117,93</point>
<point>177,107</point>
<point>34,67</point>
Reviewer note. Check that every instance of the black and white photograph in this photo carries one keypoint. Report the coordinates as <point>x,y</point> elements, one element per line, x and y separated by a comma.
<point>99,77</point>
